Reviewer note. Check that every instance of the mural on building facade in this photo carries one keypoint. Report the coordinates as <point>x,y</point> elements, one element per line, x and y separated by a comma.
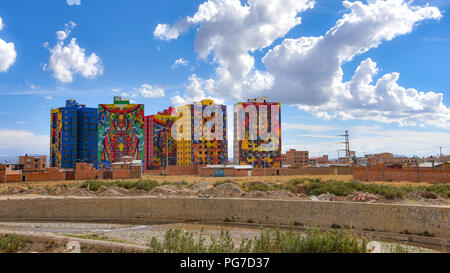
<point>55,137</point>
<point>159,138</point>
<point>120,133</point>
<point>260,145</point>
<point>198,149</point>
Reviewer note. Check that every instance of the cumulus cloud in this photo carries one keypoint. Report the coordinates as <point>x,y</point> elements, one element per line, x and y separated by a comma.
<point>8,52</point>
<point>148,91</point>
<point>231,32</point>
<point>63,34</point>
<point>180,62</point>
<point>197,90</point>
<point>73,2</point>
<point>66,60</point>
<point>308,70</point>
<point>167,32</point>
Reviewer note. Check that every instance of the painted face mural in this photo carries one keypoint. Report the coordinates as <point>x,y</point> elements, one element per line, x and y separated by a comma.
<point>120,132</point>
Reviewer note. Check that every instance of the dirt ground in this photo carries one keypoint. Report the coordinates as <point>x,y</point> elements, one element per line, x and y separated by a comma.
<point>198,179</point>
<point>41,237</point>
<point>212,187</point>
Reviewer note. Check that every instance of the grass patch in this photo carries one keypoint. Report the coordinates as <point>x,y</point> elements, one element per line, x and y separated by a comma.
<point>95,237</point>
<point>95,185</point>
<point>269,241</point>
<point>217,183</point>
<point>11,243</point>
<point>339,188</point>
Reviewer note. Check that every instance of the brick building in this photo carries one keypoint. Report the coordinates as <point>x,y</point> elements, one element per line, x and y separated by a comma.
<point>319,160</point>
<point>296,158</point>
<point>30,164</point>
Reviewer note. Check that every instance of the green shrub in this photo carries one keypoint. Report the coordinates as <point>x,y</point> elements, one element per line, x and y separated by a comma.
<point>257,186</point>
<point>268,241</point>
<point>146,185</point>
<point>11,243</point>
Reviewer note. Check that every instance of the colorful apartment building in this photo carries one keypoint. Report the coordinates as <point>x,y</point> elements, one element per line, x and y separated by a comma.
<point>73,129</point>
<point>198,148</point>
<point>160,147</point>
<point>120,132</point>
<point>257,133</point>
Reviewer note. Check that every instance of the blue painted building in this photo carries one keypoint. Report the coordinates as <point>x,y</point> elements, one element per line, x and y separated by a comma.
<point>73,136</point>
<point>87,135</point>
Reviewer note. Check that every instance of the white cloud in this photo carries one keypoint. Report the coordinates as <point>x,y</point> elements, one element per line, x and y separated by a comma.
<point>21,122</point>
<point>180,62</point>
<point>362,139</point>
<point>63,34</point>
<point>14,142</point>
<point>196,90</point>
<point>308,70</point>
<point>68,60</point>
<point>167,32</point>
<point>148,91</point>
<point>307,127</point>
<point>48,97</point>
<point>8,52</point>
<point>73,2</point>
<point>230,32</point>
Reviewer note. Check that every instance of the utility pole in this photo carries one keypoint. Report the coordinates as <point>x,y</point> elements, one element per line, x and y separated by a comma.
<point>347,147</point>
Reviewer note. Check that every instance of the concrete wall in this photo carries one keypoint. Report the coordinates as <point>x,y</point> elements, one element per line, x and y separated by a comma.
<point>378,217</point>
<point>405,174</point>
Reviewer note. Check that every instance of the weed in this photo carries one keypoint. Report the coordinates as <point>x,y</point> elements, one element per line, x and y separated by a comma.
<point>11,243</point>
<point>268,241</point>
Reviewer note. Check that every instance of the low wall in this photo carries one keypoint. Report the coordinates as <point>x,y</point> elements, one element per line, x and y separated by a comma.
<point>405,174</point>
<point>183,170</point>
<point>361,216</point>
<point>13,177</point>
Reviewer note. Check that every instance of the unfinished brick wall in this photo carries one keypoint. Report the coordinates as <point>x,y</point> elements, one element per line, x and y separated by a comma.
<point>2,173</point>
<point>121,174</point>
<point>412,174</point>
<point>56,174</point>
<point>183,170</point>
<point>13,177</point>
<point>85,171</point>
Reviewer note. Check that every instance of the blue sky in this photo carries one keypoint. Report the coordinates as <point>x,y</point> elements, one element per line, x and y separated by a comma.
<point>233,50</point>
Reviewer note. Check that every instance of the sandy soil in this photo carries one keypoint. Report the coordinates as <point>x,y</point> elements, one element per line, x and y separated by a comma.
<point>204,187</point>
